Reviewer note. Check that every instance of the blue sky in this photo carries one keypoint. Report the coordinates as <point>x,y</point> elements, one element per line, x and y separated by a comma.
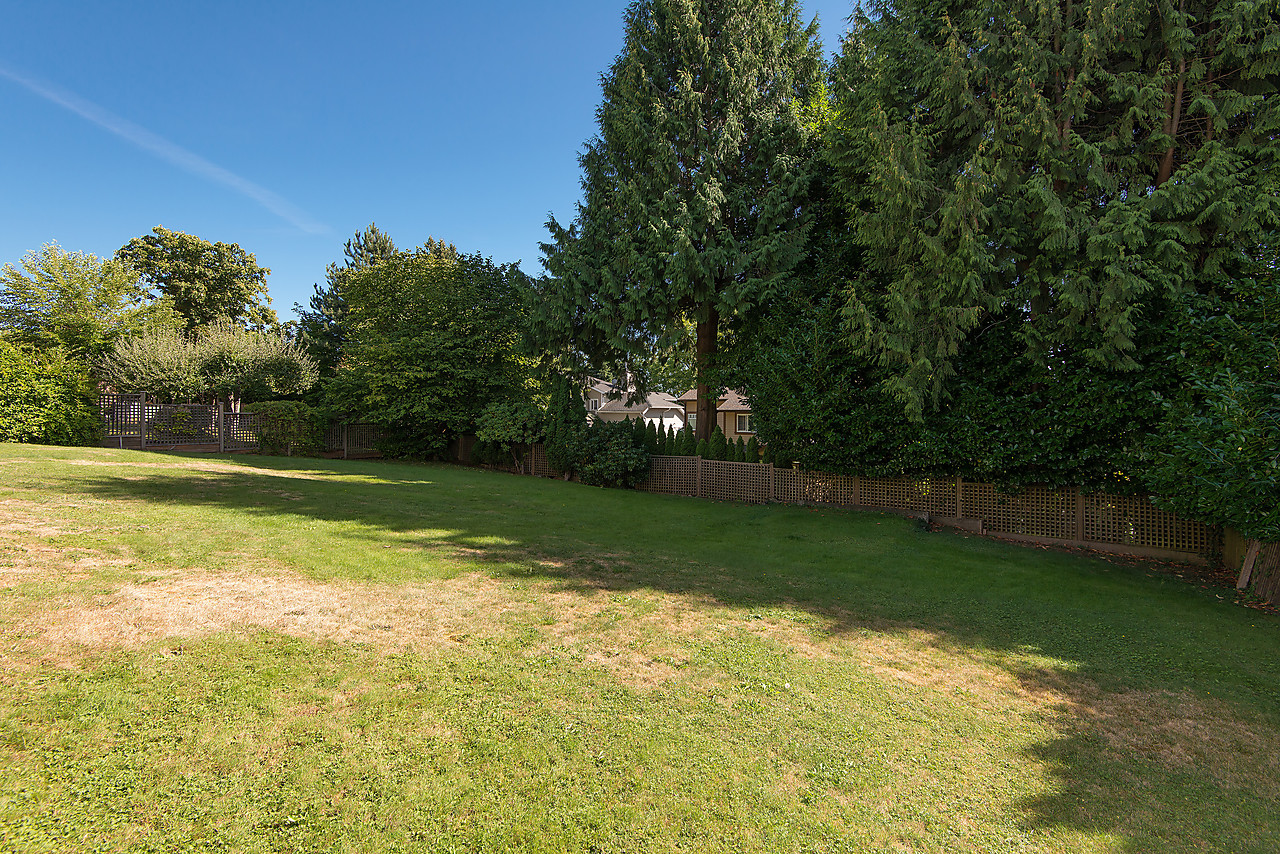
<point>287,126</point>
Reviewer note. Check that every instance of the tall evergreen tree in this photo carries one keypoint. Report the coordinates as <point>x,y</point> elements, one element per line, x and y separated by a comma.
<point>323,327</point>
<point>695,187</point>
<point>1065,169</point>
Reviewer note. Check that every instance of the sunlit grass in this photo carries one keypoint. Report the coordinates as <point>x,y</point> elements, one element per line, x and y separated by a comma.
<point>258,654</point>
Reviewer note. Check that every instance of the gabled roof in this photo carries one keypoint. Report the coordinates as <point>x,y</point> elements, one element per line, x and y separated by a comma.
<point>656,400</point>
<point>730,401</point>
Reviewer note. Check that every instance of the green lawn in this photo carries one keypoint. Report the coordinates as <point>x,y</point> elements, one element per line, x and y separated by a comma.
<point>266,654</point>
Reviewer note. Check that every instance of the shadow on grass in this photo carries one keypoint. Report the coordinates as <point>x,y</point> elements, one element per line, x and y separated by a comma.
<point>1132,648</point>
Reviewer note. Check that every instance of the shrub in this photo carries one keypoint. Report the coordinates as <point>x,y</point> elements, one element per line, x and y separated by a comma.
<point>718,448</point>
<point>289,427</point>
<point>606,454</point>
<point>752,450</point>
<point>701,450</point>
<point>46,399</point>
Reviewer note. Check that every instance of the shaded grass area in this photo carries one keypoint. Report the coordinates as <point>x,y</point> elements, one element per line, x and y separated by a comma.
<point>485,662</point>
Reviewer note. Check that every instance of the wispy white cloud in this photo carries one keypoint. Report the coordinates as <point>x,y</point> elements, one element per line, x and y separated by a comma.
<point>177,155</point>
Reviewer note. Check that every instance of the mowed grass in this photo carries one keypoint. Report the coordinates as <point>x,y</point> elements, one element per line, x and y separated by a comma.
<point>264,654</point>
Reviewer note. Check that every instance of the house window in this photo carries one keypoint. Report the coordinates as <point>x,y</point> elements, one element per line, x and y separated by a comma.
<point>746,423</point>
<point>595,403</point>
<point>692,420</point>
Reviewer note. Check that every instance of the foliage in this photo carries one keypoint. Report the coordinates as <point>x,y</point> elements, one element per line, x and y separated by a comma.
<point>1067,170</point>
<point>322,327</point>
<point>694,188</point>
<point>566,417</point>
<point>432,339</point>
<point>512,425</point>
<point>291,427</point>
<point>223,361</point>
<point>751,453</point>
<point>46,399</point>
<point>606,453</point>
<point>206,282</point>
<point>717,448</point>
<point>1218,459</point>
<point>76,301</point>
<point>702,449</point>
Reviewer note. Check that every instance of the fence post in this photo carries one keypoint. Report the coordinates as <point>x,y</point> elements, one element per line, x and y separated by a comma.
<point>1079,515</point>
<point>699,487</point>
<point>344,440</point>
<point>222,430</point>
<point>959,498</point>
<point>142,423</point>
<point>772,488</point>
<point>857,490</point>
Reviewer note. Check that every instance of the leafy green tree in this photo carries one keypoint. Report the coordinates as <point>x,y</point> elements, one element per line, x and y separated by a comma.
<point>1064,169</point>
<point>433,338</point>
<point>695,187</point>
<point>206,282</point>
<point>46,398</point>
<point>607,454</point>
<point>76,301</point>
<point>1219,455</point>
<point>512,425</point>
<point>223,361</point>
<point>322,326</point>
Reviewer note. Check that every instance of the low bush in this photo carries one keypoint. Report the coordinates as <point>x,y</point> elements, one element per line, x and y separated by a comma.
<point>610,453</point>
<point>46,399</point>
<point>290,426</point>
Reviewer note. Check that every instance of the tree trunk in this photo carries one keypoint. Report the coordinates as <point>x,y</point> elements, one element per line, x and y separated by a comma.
<point>1246,569</point>
<point>708,339</point>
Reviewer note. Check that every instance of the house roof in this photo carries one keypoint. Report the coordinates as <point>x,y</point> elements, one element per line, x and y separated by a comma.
<point>730,401</point>
<point>656,400</point>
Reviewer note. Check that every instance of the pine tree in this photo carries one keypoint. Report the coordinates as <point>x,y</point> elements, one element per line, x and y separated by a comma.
<point>639,433</point>
<point>651,439</point>
<point>669,443</point>
<point>702,450</point>
<point>740,451</point>
<point>1062,169</point>
<point>322,328</point>
<point>752,450</point>
<point>696,186</point>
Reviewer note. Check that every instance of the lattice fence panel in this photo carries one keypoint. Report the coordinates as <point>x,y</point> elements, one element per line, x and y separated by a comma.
<point>1134,520</point>
<point>920,495</point>
<point>181,424</point>
<point>241,431</point>
<point>788,485</point>
<point>672,476</point>
<point>725,481</point>
<point>1036,512</point>
<point>333,439</point>
<point>121,415</point>
<point>537,464</point>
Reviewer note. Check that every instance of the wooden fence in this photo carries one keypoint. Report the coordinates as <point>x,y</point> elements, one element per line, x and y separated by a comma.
<point>1125,524</point>
<point>133,421</point>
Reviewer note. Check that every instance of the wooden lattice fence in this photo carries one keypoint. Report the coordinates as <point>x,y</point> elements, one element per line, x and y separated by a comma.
<point>1120,523</point>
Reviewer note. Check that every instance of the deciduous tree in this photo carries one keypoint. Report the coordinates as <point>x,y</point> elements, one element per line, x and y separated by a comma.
<point>207,282</point>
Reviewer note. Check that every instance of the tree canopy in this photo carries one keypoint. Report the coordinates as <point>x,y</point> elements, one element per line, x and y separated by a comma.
<point>1065,169</point>
<point>433,338</point>
<point>76,301</point>
<point>694,188</point>
<point>206,282</point>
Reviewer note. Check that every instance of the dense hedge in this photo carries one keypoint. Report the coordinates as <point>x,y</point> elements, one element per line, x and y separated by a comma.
<point>291,427</point>
<point>46,399</point>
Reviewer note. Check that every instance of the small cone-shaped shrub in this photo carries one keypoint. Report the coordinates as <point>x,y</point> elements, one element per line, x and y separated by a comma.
<point>768,455</point>
<point>639,433</point>
<point>687,447</point>
<point>718,447</point>
<point>651,438</point>
<point>702,450</point>
<point>753,450</point>
<point>669,442</point>
<point>740,451</point>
